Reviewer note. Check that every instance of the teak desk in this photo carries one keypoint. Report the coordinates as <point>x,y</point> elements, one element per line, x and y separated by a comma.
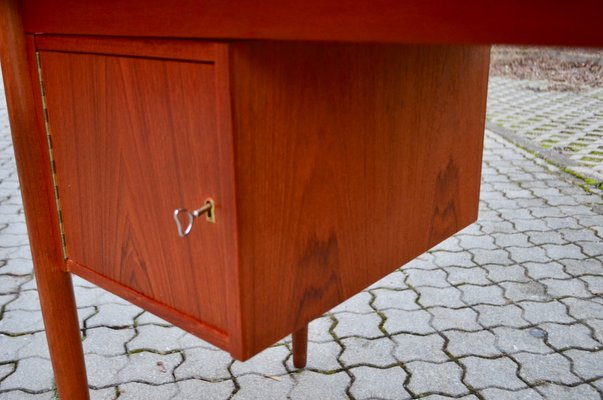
<point>312,147</point>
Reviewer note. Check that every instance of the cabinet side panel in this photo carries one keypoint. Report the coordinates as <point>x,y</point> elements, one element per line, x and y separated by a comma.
<point>351,161</point>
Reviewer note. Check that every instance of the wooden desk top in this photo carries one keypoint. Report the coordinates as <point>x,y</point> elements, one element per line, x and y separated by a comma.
<point>543,22</point>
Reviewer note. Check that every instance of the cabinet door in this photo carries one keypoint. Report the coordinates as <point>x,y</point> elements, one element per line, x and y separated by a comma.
<point>134,139</point>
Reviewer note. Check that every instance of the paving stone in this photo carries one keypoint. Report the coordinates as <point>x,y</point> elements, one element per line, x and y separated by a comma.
<point>436,378</point>
<point>16,322</point>
<point>136,391</point>
<point>36,345</point>
<point>377,352</point>
<point>419,348</point>
<point>400,299</point>
<point>500,394</point>
<point>481,343</point>
<point>17,266</point>
<point>577,235</point>
<point>407,321</point>
<point>433,278</point>
<point>365,325</point>
<point>552,311</point>
<point>6,369</point>
<point>475,276</point>
<point>156,338</point>
<point>268,362</point>
<point>509,273</point>
<point>563,288</point>
<point>103,394</point>
<point>582,267</point>
<point>321,357</point>
<point>425,261</point>
<point>594,284</point>
<point>257,387</point>
<point>559,392</point>
<point>190,389</point>
<point>21,395</point>
<point>566,336</point>
<point>591,249</point>
<point>597,326</point>
<point>497,257</point>
<point>505,240</point>
<point>528,225</point>
<point>587,364</point>
<point>395,280</point>
<point>107,342</point>
<point>538,368</point>
<point>583,309</point>
<point>473,294</point>
<point>150,368</point>
<point>446,318</point>
<point>447,297</point>
<point>359,304</point>
<point>540,271</point>
<point>476,242</point>
<point>114,316</point>
<point>513,340</point>
<point>12,284</point>
<point>313,385</point>
<point>32,374</point>
<point>146,318</point>
<point>391,383</point>
<point>202,363</point>
<point>319,329</point>
<point>499,372</point>
<point>445,259</point>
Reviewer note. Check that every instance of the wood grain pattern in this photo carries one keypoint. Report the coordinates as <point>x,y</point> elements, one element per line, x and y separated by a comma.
<point>351,161</point>
<point>541,22</point>
<point>31,153</point>
<point>135,139</point>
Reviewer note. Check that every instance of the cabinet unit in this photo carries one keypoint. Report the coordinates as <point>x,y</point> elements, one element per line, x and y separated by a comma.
<point>330,165</point>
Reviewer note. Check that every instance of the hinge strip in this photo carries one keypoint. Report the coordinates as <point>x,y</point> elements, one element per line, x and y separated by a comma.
<point>51,156</point>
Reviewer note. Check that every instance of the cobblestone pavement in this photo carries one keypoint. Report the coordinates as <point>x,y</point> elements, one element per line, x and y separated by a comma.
<point>510,308</point>
<point>568,124</point>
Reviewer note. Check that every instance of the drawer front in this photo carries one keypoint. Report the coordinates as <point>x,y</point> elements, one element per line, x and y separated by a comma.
<point>134,139</point>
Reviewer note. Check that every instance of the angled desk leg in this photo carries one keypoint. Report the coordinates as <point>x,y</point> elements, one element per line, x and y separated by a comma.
<point>33,163</point>
<point>300,347</point>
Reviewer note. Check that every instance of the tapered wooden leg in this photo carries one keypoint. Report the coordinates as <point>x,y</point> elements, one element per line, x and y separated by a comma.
<point>63,333</point>
<point>300,347</point>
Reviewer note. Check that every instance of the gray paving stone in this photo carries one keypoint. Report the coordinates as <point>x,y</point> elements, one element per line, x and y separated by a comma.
<point>391,383</point>
<point>268,362</point>
<point>114,316</point>
<point>436,378</point>
<point>513,340</point>
<point>103,371</point>
<point>407,321</point>
<point>146,318</point>
<point>446,297</point>
<point>474,276</point>
<point>17,266</point>
<point>190,389</point>
<point>509,273</point>
<point>433,278</point>
<point>312,385</point>
<point>257,387</point>
<point>16,322</point>
<point>501,394</point>
<point>583,309</point>
<point>566,336</point>
<point>156,338</point>
<point>150,368</point>
<point>27,300</point>
<point>32,374</point>
<point>577,235</point>
<point>552,311</point>
<point>136,391</point>
<point>103,394</point>
<point>359,351</point>
<point>321,357</point>
<point>35,346</point>
<point>568,250</point>
<point>539,368</point>
<point>545,237</point>
<point>481,343</point>
<point>319,329</point>
<point>107,342</point>
<point>400,299</point>
<point>419,348</point>
<point>6,369</point>
<point>365,325</point>
<point>597,326</point>
<point>594,284</point>
<point>539,271</point>
<point>592,249</point>
<point>559,392</point>
<point>563,288</point>
<point>202,363</point>
<point>473,294</point>
<point>445,259</point>
<point>582,267</point>
<point>395,280</point>
<point>587,364</point>
<point>21,395</point>
<point>505,240</point>
<point>497,257</point>
<point>463,319</point>
<point>12,284</point>
<point>500,372</point>
<point>425,261</point>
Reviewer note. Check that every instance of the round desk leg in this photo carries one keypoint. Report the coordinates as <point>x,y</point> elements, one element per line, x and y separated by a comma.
<point>300,347</point>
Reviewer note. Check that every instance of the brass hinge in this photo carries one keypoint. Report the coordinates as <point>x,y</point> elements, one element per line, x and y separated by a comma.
<point>53,168</point>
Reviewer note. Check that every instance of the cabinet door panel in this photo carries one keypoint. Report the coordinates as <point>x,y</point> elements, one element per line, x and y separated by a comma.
<point>134,139</point>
